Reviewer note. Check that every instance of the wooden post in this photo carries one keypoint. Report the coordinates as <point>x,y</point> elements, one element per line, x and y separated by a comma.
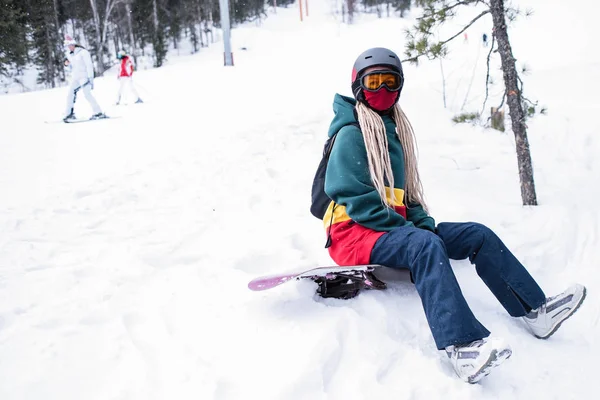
<point>300,3</point>
<point>306,7</point>
<point>497,119</point>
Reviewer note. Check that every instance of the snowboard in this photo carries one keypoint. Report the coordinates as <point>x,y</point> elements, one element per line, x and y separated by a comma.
<point>334,281</point>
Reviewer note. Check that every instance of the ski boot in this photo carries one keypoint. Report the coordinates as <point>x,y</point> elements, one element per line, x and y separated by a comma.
<point>546,320</point>
<point>100,115</point>
<point>70,117</point>
<point>473,361</point>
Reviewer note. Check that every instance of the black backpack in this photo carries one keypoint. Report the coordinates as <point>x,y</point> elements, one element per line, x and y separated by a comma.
<point>320,200</point>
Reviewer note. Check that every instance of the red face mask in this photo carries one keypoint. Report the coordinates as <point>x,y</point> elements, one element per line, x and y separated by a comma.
<point>381,100</point>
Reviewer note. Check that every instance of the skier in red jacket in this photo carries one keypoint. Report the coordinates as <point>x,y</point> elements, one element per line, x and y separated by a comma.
<point>125,76</point>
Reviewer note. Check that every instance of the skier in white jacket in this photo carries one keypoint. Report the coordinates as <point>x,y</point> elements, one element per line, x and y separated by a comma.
<point>82,79</point>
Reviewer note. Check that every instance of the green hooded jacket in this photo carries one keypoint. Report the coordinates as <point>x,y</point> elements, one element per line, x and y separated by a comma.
<point>348,182</point>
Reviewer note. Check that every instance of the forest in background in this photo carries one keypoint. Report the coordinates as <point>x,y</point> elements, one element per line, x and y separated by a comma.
<point>32,31</point>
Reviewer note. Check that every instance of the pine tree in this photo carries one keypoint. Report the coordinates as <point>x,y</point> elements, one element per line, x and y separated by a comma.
<point>45,42</point>
<point>13,34</point>
<point>246,10</point>
<point>33,30</point>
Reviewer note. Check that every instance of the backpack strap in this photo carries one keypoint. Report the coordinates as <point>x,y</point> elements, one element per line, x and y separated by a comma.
<point>327,151</point>
<point>326,155</point>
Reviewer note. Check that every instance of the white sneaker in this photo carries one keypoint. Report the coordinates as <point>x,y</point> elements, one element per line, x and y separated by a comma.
<point>544,321</point>
<point>475,360</point>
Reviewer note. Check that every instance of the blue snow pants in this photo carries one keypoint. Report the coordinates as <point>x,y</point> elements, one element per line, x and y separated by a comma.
<point>426,255</point>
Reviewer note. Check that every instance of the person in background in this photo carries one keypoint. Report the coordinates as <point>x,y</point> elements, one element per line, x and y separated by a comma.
<point>79,61</point>
<point>126,76</point>
<point>377,214</point>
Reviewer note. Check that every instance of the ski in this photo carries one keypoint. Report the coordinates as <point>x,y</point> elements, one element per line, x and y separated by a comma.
<point>76,121</point>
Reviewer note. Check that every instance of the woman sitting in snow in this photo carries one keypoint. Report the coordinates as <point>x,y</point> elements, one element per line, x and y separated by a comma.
<point>378,215</point>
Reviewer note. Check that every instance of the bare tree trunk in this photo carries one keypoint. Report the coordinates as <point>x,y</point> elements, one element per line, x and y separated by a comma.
<point>118,39</point>
<point>107,11</point>
<point>155,15</point>
<point>130,28</point>
<point>194,37</point>
<point>49,58</point>
<point>61,71</point>
<point>100,55</point>
<point>110,5</point>
<point>350,11</point>
<point>158,41</point>
<point>515,103</point>
<point>200,27</point>
<point>101,27</point>
<point>208,23</point>
<point>202,35</point>
<point>76,34</point>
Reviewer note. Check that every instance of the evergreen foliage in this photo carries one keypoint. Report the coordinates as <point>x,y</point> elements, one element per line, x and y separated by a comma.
<point>13,36</point>
<point>465,117</point>
<point>32,31</point>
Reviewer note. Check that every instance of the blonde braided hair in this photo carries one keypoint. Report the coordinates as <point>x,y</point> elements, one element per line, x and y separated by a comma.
<point>378,156</point>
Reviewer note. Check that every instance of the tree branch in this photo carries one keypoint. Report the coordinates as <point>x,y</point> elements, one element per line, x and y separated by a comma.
<point>529,101</point>
<point>521,90</point>
<point>433,11</point>
<point>467,26</point>
<point>443,82</point>
<point>415,58</point>
<point>521,85</point>
<point>460,3</point>
<point>487,77</point>
<point>470,83</point>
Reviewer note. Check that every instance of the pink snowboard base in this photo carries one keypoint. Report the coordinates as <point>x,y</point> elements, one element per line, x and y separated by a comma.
<point>270,281</point>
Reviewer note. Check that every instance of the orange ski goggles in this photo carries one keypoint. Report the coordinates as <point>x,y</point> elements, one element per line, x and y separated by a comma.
<point>373,81</point>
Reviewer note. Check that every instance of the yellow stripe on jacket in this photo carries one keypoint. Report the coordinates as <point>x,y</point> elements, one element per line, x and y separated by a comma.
<point>340,214</point>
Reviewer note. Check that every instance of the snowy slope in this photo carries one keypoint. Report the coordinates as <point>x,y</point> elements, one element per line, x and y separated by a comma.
<point>126,245</point>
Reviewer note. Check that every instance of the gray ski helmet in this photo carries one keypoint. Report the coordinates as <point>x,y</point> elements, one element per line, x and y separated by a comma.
<point>371,58</point>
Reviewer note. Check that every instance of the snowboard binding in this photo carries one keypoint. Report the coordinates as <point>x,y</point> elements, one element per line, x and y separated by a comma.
<point>347,285</point>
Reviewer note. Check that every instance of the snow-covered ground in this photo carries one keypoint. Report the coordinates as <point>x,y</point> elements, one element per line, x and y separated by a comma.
<point>126,245</point>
